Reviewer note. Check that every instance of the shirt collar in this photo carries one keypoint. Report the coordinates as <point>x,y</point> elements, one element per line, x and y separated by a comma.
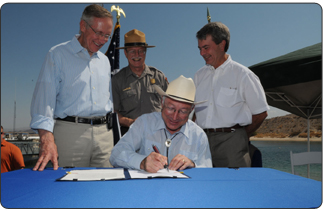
<point>76,46</point>
<point>147,71</point>
<point>3,142</point>
<point>229,59</point>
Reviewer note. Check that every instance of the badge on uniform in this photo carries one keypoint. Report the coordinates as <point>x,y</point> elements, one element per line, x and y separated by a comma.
<point>126,89</point>
<point>152,81</point>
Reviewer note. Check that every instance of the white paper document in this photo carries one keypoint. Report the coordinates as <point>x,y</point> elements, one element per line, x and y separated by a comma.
<point>161,173</point>
<point>94,175</point>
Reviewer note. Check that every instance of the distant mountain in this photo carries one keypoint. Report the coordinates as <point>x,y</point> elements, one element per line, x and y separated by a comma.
<point>289,126</point>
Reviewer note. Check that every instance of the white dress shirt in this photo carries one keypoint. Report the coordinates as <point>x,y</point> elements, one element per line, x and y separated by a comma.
<point>233,93</point>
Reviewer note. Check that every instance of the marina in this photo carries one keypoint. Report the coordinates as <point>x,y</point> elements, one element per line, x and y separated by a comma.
<point>27,148</point>
<point>27,143</point>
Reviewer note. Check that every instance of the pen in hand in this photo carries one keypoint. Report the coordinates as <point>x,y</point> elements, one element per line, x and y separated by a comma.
<point>157,151</point>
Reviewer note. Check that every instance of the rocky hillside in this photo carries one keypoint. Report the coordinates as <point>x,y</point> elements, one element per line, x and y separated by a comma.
<point>289,126</point>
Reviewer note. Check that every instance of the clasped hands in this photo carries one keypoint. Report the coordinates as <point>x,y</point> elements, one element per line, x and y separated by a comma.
<point>155,161</point>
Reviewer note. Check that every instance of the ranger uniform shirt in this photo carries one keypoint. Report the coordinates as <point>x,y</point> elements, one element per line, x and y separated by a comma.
<point>133,95</point>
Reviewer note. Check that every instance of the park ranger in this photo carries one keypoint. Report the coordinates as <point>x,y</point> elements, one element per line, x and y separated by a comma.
<point>132,86</point>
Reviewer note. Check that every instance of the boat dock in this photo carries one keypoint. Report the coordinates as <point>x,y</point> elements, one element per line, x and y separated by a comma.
<point>27,147</point>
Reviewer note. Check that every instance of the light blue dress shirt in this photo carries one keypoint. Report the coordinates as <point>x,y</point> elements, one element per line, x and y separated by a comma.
<point>71,83</point>
<point>149,129</point>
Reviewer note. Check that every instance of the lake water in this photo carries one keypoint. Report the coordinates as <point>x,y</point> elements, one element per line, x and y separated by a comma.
<point>276,155</point>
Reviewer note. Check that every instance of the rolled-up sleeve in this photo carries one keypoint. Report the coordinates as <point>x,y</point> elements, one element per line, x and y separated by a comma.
<point>44,97</point>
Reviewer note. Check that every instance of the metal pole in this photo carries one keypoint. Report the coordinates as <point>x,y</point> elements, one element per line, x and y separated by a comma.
<point>208,16</point>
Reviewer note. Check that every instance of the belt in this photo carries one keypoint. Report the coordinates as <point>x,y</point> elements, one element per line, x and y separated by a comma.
<point>76,119</point>
<point>225,129</point>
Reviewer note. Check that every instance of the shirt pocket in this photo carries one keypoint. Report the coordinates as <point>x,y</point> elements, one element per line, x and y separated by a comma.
<point>228,97</point>
<point>129,99</point>
<point>155,97</point>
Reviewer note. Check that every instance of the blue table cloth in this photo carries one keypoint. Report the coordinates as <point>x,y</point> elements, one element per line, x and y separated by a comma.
<point>206,188</point>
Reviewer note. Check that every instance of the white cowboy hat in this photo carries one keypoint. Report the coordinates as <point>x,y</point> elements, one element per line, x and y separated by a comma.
<point>181,89</point>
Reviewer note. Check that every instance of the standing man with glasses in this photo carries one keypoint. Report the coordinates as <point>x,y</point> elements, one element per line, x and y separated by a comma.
<point>132,86</point>
<point>165,138</point>
<point>73,95</point>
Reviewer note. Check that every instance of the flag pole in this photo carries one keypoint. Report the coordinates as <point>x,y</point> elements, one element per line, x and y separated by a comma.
<point>208,16</point>
<point>113,55</point>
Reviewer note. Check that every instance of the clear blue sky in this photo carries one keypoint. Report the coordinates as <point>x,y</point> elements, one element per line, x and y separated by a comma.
<point>258,32</point>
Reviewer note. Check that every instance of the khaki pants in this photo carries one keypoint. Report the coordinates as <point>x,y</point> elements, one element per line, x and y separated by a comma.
<point>83,145</point>
<point>229,149</point>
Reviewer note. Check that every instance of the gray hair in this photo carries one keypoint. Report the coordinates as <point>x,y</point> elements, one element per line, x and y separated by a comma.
<point>218,31</point>
<point>94,10</point>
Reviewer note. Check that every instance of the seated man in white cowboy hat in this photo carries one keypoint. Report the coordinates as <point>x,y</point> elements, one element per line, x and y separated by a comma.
<point>171,133</point>
<point>132,86</point>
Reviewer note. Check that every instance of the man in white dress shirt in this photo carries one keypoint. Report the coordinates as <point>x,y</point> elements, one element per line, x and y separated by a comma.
<point>236,105</point>
<point>73,89</point>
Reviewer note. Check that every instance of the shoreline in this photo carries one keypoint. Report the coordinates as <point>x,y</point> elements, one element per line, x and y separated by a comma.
<point>296,139</point>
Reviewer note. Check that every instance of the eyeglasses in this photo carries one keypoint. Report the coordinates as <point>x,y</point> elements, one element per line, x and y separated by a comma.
<point>99,34</point>
<point>172,110</point>
<point>133,52</point>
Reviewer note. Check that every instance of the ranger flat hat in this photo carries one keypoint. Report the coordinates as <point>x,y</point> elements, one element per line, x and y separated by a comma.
<point>135,38</point>
<point>181,89</point>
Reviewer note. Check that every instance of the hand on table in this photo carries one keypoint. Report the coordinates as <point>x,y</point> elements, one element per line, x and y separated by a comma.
<point>47,151</point>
